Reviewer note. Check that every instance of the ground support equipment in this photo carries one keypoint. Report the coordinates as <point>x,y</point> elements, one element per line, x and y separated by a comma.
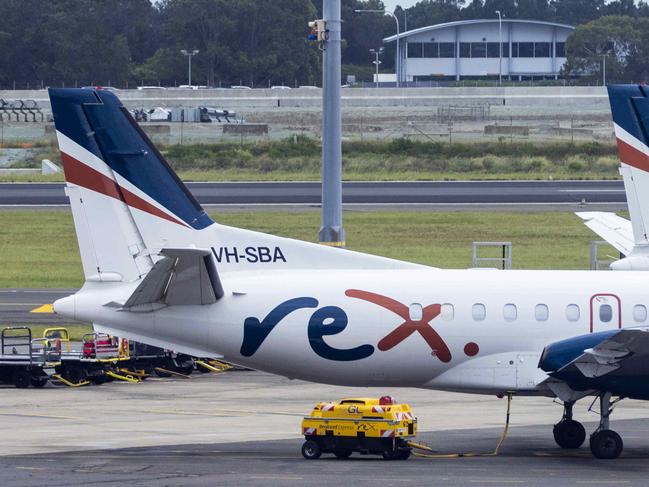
<point>367,426</point>
<point>25,361</point>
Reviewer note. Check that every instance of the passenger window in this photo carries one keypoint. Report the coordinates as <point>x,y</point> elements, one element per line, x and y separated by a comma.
<point>572,312</point>
<point>639,313</point>
<point>510,312</point>
<point>605,313</point>
<point>541,312</point>
<point>479,312</point>
<point>448,312</point>
<point>416,312</point>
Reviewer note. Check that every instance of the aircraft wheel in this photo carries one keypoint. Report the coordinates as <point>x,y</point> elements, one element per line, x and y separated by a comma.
<point>606,444</point>
<point>311,450</point>
<point>342,453</point>
<point>569,434</point>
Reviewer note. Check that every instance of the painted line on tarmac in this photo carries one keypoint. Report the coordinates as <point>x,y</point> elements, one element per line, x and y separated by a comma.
<point>38,415</point>
<point>223,412</point>
<point>274,477</point>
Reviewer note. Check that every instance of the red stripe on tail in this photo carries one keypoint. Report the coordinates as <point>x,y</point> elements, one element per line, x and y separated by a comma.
<point>80,174</point>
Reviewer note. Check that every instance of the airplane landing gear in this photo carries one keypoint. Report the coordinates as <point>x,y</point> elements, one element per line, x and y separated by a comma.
<point>606,443</point>
<point>569,433</point>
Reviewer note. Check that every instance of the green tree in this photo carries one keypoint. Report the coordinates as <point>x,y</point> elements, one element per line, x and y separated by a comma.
<point>622,39</point>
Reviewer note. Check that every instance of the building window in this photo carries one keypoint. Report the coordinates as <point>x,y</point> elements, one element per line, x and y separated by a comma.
<point>605,313</point>
<point>416,312</point>
<point>510,312</point>
<point>447,312</point>
<point>431,49</point>
<point>572,312</point>
<point>505,49</point>
<point>493,49</point>
<point>479,312</point>
<point>561,49</point>
<point>542,49</point>
<point>415,49</point>
<point>541,312</point>
<point>465,49</point>
<point>478,49</point>
<point>639,313</point>
<point>447,49</point>
<point>525,49</point>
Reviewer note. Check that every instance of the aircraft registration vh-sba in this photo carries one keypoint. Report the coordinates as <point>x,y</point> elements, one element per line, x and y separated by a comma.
<point>158,270</point>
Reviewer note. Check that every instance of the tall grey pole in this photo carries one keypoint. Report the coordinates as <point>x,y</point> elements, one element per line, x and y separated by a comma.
<point>189,74</point>
<point>500,42</point>
<point>332,231</point>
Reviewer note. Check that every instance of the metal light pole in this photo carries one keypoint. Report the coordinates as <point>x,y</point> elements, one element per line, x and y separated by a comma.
<point>500,43</point>
<point>332,231</point>
<point>604,56</point>
<point>385,12</point>
<point>189,55</point>
<point>377,53</point>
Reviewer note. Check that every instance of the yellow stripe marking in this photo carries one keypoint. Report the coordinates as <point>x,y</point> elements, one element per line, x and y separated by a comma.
<point>36,415</point>
<point>275,477</point>
<point>46,308</point>
<point>30,468</point>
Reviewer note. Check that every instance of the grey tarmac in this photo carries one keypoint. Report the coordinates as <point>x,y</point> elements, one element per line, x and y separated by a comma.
<point>368,193</point>
<point>242,428</point>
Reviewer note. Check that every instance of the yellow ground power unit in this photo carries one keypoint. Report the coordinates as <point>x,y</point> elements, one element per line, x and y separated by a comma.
<point>368,426</point>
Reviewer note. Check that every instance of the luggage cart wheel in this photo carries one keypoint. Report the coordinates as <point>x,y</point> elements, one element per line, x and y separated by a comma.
<point>311,450</point>
<point>39,382</point>
<point>22,379</point>
<point>74,374</point>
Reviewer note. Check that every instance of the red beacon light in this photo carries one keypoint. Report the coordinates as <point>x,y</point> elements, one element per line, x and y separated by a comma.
<point>387,401</point>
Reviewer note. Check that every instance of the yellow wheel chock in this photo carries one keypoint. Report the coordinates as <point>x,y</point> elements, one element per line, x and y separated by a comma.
<point>68,383</point>
<point>178,374</point>
<point>125,378</point>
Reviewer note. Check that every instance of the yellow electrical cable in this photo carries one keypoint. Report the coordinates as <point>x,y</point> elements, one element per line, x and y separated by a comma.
<point>503,435</point>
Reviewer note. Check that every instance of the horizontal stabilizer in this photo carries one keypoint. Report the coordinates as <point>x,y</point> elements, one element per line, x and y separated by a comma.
<point>182,277</point>
<point>616,230</point>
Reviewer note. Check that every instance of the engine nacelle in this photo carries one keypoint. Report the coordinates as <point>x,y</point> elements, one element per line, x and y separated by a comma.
<point>631,263</point>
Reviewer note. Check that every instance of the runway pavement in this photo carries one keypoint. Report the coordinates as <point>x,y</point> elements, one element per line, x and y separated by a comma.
<point>243,428</point>
<point>364,193</point>
<point>16,304</point>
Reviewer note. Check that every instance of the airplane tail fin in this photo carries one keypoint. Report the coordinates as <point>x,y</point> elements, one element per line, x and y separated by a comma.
<point>630,109</point>
<point>126,200</point>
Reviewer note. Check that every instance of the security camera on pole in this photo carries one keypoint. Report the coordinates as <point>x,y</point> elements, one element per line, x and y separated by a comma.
<point>328,34</point>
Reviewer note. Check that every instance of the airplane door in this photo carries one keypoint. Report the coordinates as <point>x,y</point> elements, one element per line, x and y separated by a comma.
<point>605,312</point>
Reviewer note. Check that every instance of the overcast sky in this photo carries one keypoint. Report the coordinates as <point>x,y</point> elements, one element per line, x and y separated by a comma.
<point>390,4</point>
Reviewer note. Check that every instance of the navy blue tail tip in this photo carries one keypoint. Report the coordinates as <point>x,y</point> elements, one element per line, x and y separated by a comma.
<point>97,121</point>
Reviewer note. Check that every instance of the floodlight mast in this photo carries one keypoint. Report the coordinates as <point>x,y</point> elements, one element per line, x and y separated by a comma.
<point>189,53</point>
<point>398,57</point>
<point>376,53</point>
<point>331,231</point>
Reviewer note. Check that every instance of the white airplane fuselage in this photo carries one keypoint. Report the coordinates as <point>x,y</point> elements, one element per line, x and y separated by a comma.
<point>333,326</point>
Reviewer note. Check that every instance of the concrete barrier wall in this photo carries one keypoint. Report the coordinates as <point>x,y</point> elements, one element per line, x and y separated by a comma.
<point>264,99</point>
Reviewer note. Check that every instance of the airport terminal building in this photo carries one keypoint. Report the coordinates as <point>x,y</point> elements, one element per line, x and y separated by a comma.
<point>470,49</point>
